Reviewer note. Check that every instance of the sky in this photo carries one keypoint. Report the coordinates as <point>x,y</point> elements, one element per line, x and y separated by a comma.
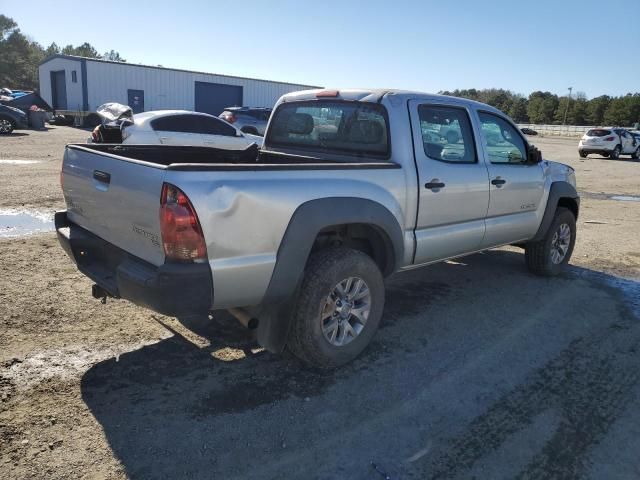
<point>426,45</point>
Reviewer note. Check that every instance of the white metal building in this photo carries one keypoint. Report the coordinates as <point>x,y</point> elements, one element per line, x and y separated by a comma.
<point>78,85</point>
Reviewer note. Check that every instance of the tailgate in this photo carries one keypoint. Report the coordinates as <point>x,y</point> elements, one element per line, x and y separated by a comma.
<point>116,199</point>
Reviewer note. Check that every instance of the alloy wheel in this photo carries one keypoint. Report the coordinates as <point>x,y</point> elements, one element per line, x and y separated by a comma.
<point>5,126</point>
<point>345,311</point>
<point>560,243</point>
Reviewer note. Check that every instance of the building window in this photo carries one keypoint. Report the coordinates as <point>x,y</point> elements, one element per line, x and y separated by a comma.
<point>74,76</point>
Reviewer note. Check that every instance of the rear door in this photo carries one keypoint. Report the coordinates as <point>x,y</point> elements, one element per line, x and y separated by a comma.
<point>178,130</point>
<point>453,181</point>
<point>516,186</point>
<point>219,134</point>
<point>116,199</point>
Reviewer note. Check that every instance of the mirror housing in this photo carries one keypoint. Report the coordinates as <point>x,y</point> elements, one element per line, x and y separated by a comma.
<point>534,155</point>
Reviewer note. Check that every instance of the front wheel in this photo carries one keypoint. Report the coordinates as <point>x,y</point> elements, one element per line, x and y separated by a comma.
<point>550,255</point>
<point>583,154</point>
<point>338,308</point>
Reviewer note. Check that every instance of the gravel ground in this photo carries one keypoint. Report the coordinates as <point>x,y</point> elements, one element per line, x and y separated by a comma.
<point>479,370</point>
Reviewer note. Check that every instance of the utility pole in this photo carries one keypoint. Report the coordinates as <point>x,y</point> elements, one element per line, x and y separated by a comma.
<point>567,108</point>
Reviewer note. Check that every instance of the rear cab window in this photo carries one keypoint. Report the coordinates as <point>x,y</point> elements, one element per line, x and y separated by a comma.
<point>446,134</point>
<point>349,128</point>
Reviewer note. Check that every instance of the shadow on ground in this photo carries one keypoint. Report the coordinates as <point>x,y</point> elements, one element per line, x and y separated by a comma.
<point>478,369</point>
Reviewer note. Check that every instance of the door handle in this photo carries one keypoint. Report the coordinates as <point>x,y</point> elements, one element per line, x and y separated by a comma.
<point>434,184</point>
<point>103,177</point>
<point>498,182</point>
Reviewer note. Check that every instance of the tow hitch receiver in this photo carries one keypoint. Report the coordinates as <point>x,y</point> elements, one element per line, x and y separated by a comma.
<point>100,293</point>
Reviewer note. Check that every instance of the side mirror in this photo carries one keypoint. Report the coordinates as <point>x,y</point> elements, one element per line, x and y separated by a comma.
<point>534,155</point>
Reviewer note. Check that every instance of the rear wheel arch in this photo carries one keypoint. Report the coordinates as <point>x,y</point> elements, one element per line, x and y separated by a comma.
<point>356,223</point>
<point>365,237</point>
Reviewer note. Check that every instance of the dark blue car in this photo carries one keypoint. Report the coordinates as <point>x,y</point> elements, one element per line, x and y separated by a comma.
<point>12,119</point>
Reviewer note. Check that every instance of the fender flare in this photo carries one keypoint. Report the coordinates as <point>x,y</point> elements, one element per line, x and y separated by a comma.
<point>305,224</point>
<point>558,191</point>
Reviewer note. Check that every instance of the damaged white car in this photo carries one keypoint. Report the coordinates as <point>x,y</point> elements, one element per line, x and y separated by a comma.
<point>168,127</point>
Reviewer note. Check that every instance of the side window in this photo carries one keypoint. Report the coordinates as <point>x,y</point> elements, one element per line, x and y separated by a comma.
<point>213,126</point>
<point>446,134</point>
<point>501,140</point>
<point>74,76</point>
<point>175,123</point>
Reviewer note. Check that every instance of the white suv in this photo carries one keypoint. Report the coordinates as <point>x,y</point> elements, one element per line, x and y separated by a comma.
<point>609,142</point>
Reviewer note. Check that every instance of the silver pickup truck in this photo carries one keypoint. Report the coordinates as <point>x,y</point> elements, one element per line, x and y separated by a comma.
<point>296,239</point>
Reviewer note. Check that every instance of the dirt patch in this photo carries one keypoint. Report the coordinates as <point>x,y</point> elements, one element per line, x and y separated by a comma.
<point>479,369</point>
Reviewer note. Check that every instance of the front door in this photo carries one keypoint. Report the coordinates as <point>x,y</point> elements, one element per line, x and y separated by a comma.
<point>628,141</point>
<point>516,186</point>
<point>136,100</point>
<point>453,182</point>
<point>59,90</point>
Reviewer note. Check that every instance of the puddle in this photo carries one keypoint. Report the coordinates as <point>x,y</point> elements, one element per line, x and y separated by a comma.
<point>612,196</point>
<point>17,223</point>
<point>625,198</point>
<point>18,162</point>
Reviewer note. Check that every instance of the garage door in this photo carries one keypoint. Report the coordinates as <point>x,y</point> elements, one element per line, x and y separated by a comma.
<point>213,98</point>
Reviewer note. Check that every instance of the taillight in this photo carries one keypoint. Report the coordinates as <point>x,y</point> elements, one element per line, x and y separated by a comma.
<point>609,139</point>
<point>95,134</point>
<point>182,236</point>
<point>230,117</point>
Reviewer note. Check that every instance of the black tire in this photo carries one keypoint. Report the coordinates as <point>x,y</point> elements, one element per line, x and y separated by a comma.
<point>7,125</point>
<point>583,154</point>
<point>323,272</point>
<point>636,155</point>
<point>615,155</point>
<point>249,130</point>
<point>538,255</point>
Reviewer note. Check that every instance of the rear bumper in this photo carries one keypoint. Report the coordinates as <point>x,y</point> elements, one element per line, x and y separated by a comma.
<point>173,289</point>
<point>597,148</point>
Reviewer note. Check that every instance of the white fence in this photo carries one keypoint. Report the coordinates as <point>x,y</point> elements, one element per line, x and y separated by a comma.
<point>560,130</point>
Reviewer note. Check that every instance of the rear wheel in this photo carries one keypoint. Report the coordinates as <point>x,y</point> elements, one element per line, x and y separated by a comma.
<point>616,153</point>
<point>636,155</point>
<point>338,308</point>
<point>582,153</point>
<point>550,255</point>
<point>6,126</point>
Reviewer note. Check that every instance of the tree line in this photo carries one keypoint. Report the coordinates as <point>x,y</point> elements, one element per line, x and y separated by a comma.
<point>551,109</point>
<point>20,56</point>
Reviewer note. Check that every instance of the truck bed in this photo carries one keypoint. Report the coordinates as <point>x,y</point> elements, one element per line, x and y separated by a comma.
<point>175,157</point>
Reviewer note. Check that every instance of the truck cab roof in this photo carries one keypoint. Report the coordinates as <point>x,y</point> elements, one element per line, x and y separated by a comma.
<point>377,95</point>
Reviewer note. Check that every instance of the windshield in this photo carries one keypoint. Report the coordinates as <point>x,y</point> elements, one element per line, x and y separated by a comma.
<point>351,128</point>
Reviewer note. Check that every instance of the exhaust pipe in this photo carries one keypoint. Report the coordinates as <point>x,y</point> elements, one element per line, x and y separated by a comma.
<point>244,318</point>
